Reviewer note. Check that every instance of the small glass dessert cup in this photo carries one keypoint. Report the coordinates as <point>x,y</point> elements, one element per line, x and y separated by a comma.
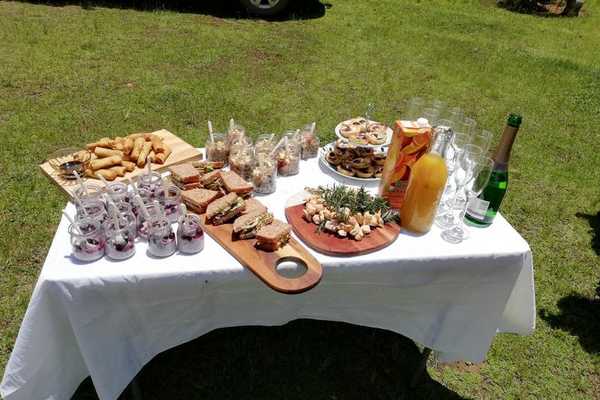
<point>126,218</point>
<point>143,225</point>
<point>310,143</point>
<point>120,242</point>
<point>288,159</point>
<point>150,182</point>
<point>91,192</point>
<point>235,132</point>
<point>241,161</point>
<point>118,192</point>
<point>190,236</point>
<point>264,144</point>
<point>146,197</point>
<point>87,240</point>
<point>239,143</point>
<point>169,197</point>
<point>217,150</point>
<point>93,209</point>
<point>161,238</point>
<point>264,176</point>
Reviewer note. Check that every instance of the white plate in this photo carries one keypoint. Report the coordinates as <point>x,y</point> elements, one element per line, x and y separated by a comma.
<point>326,149</point>
<point>388,138</point>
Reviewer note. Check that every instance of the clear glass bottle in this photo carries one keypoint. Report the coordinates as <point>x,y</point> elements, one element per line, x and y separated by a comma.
<point>190,236</point>
<point>425,186</point>
<point>169,197</point>
<point>161,238</point>
<point>87,240</point>
<point>120,242</point>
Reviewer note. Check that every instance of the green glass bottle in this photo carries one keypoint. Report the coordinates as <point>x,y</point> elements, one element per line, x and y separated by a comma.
<point>482,210</point>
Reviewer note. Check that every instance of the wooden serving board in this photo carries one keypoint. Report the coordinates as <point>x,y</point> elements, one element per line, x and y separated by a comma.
<point>181,152</point>
<point>263,263</point>
<point>330,244</point>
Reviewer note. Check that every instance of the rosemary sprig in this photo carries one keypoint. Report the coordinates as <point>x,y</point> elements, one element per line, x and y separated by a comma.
<point>342,199</point>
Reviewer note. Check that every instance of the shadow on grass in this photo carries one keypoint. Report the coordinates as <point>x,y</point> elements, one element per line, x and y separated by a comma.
<point>594,221</point>
<point>580,316</point>
<point>303,9</point>
<point>304,359</point>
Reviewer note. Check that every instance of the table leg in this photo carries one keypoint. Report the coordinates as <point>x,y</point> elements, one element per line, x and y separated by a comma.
<point>420,368</point>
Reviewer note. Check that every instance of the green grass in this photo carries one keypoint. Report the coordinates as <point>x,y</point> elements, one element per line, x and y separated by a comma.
<point>69,75</point>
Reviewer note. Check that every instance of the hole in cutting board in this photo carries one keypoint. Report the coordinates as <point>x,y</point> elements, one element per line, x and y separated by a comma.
<point>291,267</point>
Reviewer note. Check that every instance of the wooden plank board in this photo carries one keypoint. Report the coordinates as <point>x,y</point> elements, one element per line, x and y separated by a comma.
<point>181,152</point>
<point>264,264</point>
<point>330,244</point>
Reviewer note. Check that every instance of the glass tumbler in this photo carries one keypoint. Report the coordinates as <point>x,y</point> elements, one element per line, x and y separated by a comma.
<point>154,211</point>
<point>161,238</point>
<point>264,176</point>
<point>190,236</point>
<point>288,159</point>
<point>93,209</point>
<point>217,150</point>
<point>120,242</point>
<point>150,182</point>
<point>241,160</point>
<point>169,197</point>
<point>87,240</point>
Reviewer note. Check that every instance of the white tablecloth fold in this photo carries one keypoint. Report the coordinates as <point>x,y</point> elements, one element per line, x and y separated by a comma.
<point>107,319</point>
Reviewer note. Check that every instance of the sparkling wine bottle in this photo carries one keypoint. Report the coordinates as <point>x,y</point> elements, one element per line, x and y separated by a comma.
<point>482,210</point>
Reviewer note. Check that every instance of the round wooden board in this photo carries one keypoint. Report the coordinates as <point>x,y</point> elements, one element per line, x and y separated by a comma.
<point>332,245</point>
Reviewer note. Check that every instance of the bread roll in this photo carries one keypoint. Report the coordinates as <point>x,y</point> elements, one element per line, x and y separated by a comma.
<point>107,174</point>
<point>138,144</point>
<point>105,162</point>
<point>141,161</point>
<point>103,152</point>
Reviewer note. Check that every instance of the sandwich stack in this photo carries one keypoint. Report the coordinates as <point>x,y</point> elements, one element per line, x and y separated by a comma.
<point>185,176</point>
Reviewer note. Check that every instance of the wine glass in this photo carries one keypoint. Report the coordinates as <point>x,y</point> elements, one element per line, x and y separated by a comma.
<point>431,115</point>
<point>481,175</point>
<point>414,107</point>
<point>464,167</point>
<point>483,139</point>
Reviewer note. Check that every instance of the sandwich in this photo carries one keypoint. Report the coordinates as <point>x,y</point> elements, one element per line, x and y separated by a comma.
<point>224,209</point>
<point>197,200</point>
<point>233,183</point>
<point>204,167</point>
<point>185,176</point>
<point>212,180</point>
<point>253,205</point>
<point>246,226</point>
<point>273,236</point>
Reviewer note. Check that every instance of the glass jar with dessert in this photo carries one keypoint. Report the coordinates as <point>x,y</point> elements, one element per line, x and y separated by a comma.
<point>264,144</point>
<point>149,181</point>
<point>217,148</point>
<point>190,236</point>
<point>169,197</point>
<point>87,239</point>
<point>310,142</point>
<point>235,132</point>
<point>93,209</point>
<point>145,217</point>
<point>89,191</point>
<point>118,192</point>
<point>264,176</point>
<point>288,158</point>
<point>161,238</point>
<point>241,160</point>
<point>120,242</point>
<point>126,217</point>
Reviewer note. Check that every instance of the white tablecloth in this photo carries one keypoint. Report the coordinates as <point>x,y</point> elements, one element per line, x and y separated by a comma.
<point>107,319</point>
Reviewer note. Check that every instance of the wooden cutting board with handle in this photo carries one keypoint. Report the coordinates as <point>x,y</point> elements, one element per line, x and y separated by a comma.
<point>333,245</point>
<point>264,264</point>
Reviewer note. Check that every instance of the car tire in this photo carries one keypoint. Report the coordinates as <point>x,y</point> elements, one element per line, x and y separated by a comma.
<point>265,7</point>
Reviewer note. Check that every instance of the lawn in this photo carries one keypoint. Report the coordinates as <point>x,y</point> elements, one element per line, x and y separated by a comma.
<point>71,74</point>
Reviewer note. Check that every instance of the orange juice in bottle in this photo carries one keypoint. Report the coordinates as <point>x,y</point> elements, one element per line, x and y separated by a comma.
<point>409,142</point>
<point>426,185</point>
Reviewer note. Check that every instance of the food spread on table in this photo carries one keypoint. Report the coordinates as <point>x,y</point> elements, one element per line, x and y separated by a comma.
<point>413,174</point>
